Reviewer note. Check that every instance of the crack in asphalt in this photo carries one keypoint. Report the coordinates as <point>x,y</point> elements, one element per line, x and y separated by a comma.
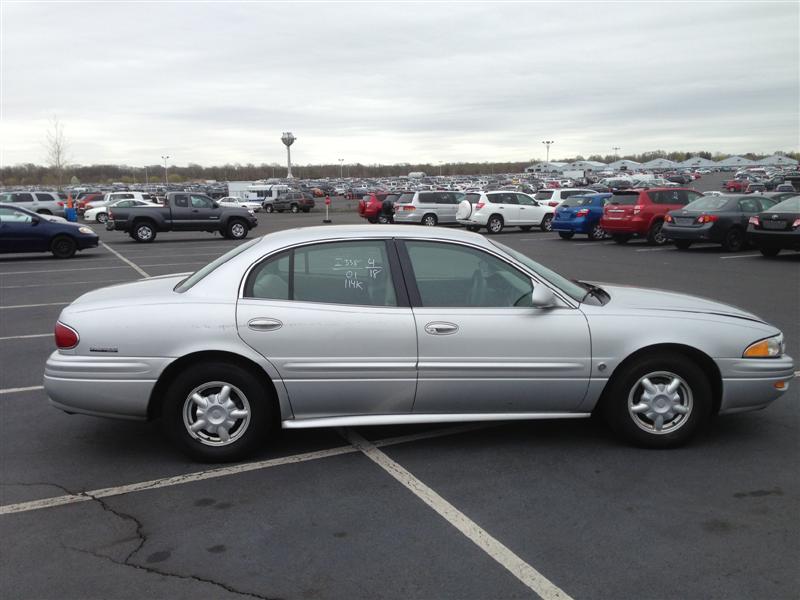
<point>142,539</point>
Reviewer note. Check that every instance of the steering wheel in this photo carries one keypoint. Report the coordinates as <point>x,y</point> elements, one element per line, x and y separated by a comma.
<point>477,289</point>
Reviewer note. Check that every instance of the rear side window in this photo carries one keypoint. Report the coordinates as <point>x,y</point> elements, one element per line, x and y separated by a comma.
<point>181,200</point>
<point>544,195</point>
<point>676,197</point>
<point>44,197</point>
<point>405,198</point>
<point>23,197</point>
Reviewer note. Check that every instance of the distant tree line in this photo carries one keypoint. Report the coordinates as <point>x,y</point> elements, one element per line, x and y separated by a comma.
<point>57,174</point>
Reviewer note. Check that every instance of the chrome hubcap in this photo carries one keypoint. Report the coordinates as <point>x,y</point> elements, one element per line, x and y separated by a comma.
<point>237,230</point>
<point>660,402</point>
<point>548,223</point>
<point>495,225</point>
<point>216,413</point>
<point>430,221</point>
<point>144,233</point>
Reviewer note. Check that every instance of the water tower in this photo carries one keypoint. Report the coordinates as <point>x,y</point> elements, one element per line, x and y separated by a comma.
<point>288,139</point>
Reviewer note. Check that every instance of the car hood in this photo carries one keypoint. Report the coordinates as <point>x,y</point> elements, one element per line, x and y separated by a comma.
<point>661,300</point>
<point>152,290</point>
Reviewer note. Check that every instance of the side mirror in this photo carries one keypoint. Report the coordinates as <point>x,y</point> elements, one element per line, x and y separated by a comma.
<point>542,296</point>
<point>216,204</point>
<point>36,220</point>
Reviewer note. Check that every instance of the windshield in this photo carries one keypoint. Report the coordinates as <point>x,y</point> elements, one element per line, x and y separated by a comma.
<point>708,203</point>
<point>198,275</point>
<point>571,289</point>
<point>790,205</point>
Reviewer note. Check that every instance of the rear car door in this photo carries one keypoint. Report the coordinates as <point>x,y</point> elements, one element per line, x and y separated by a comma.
<point>365,364</point>
<point>481,349</point>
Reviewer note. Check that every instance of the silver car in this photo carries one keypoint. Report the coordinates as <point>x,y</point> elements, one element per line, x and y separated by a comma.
<point>352,325</point>
<point>427,208</point>
<point>44,203</point>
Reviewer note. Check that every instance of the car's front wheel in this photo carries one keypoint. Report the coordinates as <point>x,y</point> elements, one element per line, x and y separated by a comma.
<point>63,246</point>
<point>547,223</point>
<point>733,240</point>
<point>237,230</point>
<point>658,401</point>
<point>101,217</point>
<point>656,234</point>
<point>218,412</point>
<point>294,208</point>
<point>269,208</point>
<point>597,233</point>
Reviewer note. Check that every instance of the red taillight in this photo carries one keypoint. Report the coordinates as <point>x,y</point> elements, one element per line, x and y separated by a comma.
<point>60,203</point>
<point>668,219</point>
<point>66,337</point>
<point>480,205</point>
<point>637,209</point>
<point>552,203</point>
<point>409,207</point>
<point>754,221</point>
<point>582,212</point>
<point>707,218</point>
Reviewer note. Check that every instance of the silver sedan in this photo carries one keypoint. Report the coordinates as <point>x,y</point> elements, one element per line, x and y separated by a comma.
<point>353,325</point>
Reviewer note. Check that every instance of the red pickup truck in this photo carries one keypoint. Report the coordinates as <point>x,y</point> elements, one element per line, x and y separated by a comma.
<point>737,185</point>
<point>640,213</point>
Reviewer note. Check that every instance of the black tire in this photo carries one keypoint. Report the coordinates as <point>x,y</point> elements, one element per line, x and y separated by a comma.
<point>494,224</point>
<point>597,233</point>
<point>625,392</point>
<point>566,235</point>
<point>101,217</point>
<point>621,238</point>
<point>294,208</point>
<point>236,229</point>
<point>63,246</point>
<point>43,212</point>
<point>429,220</point>
<point>683,244</point>
<point>655,235</point>
<point>547,223</point>
<point>206,446</point>
<point>384,219</point>
<point>143,231</point>
<point>525,227</point>
<point>733,240</point>
<point>769,250</point>
<point>269,208</point>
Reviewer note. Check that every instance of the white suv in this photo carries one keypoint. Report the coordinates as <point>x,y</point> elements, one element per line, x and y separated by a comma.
<point>554,197</point>
<point>495,210</point>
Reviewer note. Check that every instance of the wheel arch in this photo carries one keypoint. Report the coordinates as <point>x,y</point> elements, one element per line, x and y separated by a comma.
<point>703,360</point>
<point>154,405</point>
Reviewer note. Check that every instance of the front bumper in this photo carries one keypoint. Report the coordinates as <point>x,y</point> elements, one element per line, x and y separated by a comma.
<point>88,242</point>
<point>774,239</point>
<point>103,386</point>
<point>749,383</point>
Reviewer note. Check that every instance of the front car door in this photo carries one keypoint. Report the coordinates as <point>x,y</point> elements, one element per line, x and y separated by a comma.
<point>203,214</point>
<point>482,347</point>
<point>334,321</point>
<point>530,213</point>
<point>18,233</point>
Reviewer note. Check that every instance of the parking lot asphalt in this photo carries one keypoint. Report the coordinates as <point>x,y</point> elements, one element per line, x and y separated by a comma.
<point>94,508</point>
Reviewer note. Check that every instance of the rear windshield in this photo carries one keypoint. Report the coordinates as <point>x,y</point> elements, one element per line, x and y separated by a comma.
<point>790,205</point>
<point>544,195</point>
<point>404,198</point>
<point>583,200</point>
<point>190,281</point>
<point>623,199</point>
<point>708,203</point>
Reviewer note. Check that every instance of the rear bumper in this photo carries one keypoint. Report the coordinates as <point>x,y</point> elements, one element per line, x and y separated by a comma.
<point>102,385</point>
<point>702,233</point>
<point>749,383</point>
<point>408,216</point>
<point>579,225</point>
<point>635,226</point>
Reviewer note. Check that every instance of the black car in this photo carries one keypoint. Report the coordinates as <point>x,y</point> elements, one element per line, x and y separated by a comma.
<point>777,228</point>
<point>22,230</point>
<point>720,219</point>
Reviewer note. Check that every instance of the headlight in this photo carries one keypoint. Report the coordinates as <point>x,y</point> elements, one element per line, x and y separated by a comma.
<point>771,347</point>
<point>250,210</point>
<point>85,230</point>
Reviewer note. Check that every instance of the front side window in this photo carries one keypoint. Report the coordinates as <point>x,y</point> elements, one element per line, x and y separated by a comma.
<point>526,200</point>
<point>450,275</point>
<point>201,202</point>
<point>355,273</point>
<point>9,215</point>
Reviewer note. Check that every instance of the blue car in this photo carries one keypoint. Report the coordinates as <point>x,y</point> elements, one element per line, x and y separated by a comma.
<point>22,230</point>
<point>580,214</point>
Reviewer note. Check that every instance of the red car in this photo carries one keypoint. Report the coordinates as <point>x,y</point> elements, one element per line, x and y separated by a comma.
<point>640,213</point>
<point>80,205</point>
<point>373,207</point>
<point>737,185</point>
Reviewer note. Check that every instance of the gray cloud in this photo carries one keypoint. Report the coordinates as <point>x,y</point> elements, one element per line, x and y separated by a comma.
<point>216,83</point>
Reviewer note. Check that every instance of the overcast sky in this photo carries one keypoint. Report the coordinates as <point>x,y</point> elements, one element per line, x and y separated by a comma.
<point>216,83</point>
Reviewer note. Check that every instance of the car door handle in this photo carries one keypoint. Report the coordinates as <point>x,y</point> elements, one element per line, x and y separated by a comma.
<point>441,328</point>
<point>264,324</point>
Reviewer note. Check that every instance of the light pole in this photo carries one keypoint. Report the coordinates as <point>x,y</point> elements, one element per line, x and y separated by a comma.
<point>440,167</point>
<point>341,167</point>
<point>547,144</point>
<point>616,150</point>
<point>166,178</point>
<point>146,180</point>
<point>288,139</point>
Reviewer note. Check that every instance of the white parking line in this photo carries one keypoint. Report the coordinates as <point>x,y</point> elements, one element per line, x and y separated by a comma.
<point>34,305</point>
<point>477,535</point>
<point>25,337</point>
<point>653,249</point>
<point>131,264</point>
<point>21,389</point>
<point>214,473</point>
<point>739,256</point>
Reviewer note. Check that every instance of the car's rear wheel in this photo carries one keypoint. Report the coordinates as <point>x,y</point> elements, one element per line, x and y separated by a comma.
<point>547,223</point>
<point>430,220</point>
<point>494,224</point>
<point>769,250</point>
<point>384,219</point>
<point>217,412</point>
<point>566,235</point>
<point>658,401</point>
<point>63,246</point>
<point>269,208</point>
<point>733,240</point>
<point>683,244</point>
<point>294,208</point>
<point>237,230</point>
<point>656,234</point>
<point>621,238</point>
<point>597,233</point>
<point>101,217</point>
<point>144,232</point>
